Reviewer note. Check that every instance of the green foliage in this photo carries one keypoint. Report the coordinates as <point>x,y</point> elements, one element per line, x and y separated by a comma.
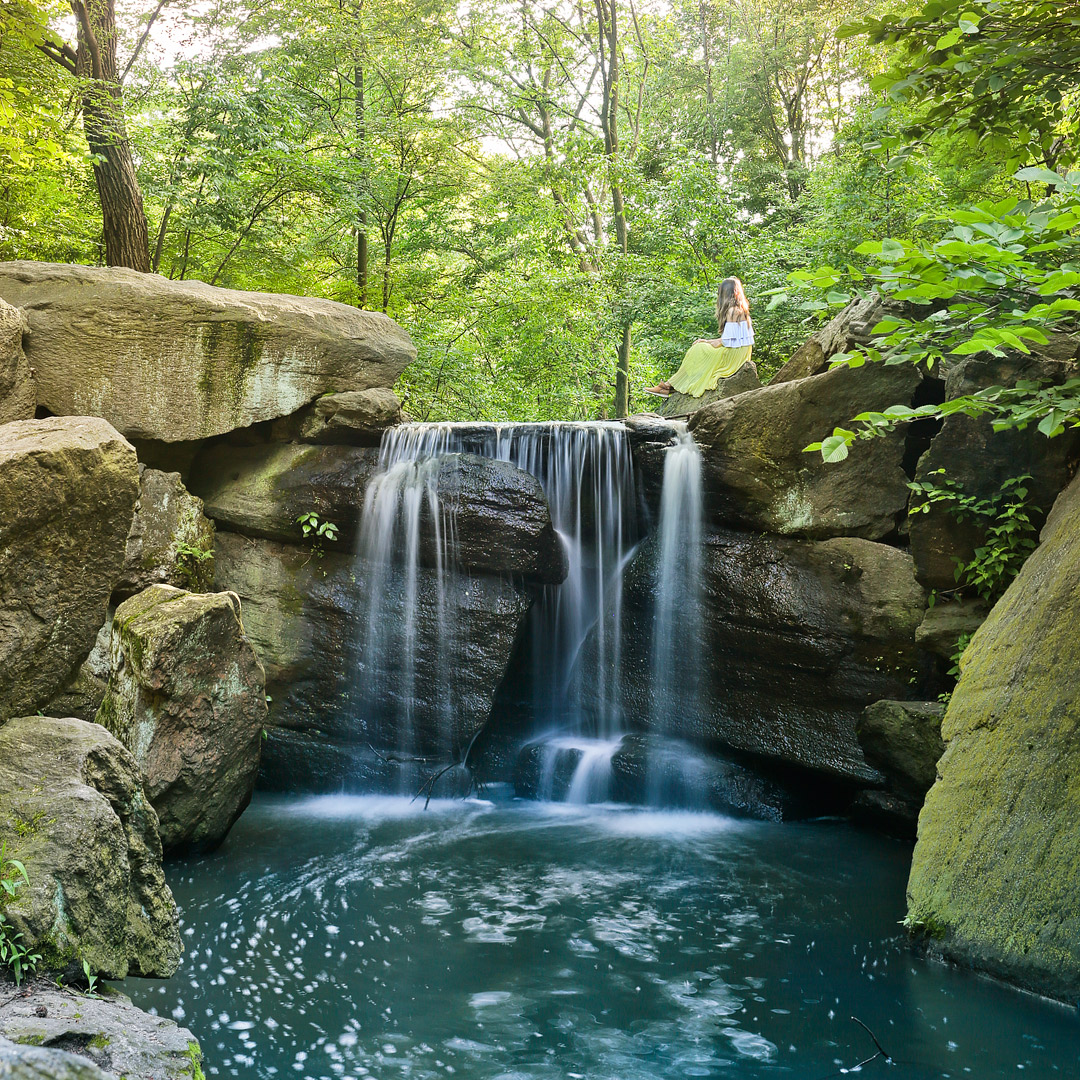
<point>1007,518</point>
<point>14,955</point>
<point>313,526</point>
<point>194,565</point>
<point>1000,73</point>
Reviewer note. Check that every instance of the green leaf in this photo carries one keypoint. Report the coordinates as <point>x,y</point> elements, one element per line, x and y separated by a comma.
<point>834,449</point>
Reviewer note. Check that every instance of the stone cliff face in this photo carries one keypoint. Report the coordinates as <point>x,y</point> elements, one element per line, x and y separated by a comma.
<point>994,874</point>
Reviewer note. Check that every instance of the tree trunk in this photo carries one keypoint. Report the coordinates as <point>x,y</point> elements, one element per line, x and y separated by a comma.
<point>127,238</point>
<point>361,156</point>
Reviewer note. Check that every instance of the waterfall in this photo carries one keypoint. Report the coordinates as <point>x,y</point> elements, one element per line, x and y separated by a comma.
<point>574,676</point>
<point>406,536</point>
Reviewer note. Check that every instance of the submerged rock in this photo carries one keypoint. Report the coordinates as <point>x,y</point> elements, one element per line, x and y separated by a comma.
<point>67,495</point>
<point>18,396</point>
<point>307,618</point>
<point>187,697</point>
<point>994,872</point>
<point>89,1038</point>
<point>798,637</point>
<point>757,475</point>
<point>179,360</point>
<point>496,513</point>
<point>171,541</point>
<point>73,810</point>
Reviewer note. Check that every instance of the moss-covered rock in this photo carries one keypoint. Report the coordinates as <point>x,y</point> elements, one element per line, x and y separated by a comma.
<point>187,697</point>
<point>106,1032</point>
<point>180,360</point>
<point>995,870</point>
<point>902,739</point>
<point>171,541</point>
<point>17,394</point>
<point>73,810</point>
<point>758,476</point>
<point>67,494</point>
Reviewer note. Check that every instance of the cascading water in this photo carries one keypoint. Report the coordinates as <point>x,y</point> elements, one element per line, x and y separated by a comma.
<point>575,628</point>
<point>677,652</point>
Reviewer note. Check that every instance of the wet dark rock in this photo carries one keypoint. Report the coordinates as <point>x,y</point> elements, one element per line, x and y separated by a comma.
<point>799,636</point>
<point>186,696</point>
<point>306,617</point>
<point>979,460</point>
<point>757,475</point>
<point>88,1038</point>
<point>67,495</point>
<point>499,513</point>
<point>73,811</point>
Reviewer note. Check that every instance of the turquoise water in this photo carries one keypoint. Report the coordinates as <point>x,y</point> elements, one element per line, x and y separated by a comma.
<point>348,937</point>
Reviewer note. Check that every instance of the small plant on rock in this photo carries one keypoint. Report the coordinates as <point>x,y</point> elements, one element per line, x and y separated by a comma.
<point>1007,518</point>
<point>194,565</point>
<point>14,955</point>
<point>316,530</point>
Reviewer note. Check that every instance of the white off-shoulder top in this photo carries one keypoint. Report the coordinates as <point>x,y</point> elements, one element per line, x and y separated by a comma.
<point>737,334</point>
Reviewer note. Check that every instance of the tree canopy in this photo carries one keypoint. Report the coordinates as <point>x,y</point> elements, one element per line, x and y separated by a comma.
<point>545,194</point>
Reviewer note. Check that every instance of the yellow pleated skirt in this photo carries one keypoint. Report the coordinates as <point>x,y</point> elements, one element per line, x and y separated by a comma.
<point>705,365</point>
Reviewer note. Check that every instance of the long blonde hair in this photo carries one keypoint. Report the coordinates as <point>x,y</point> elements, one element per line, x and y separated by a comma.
<point>731,303</point>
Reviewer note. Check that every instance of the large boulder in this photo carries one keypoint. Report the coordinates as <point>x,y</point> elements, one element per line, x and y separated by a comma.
<point>969,453</point>
<point>181,360</point>
<point>67,494</point>
<point>994,872</point>
<point>352,418</point>
<point>308,617</point>
<point>171,541</point>
<point>17,393</point>
<point>106,1033</point>
<point>73,811</point>
<point>498,513</point>
<point>746,378</point>
<point>758,476</point>
<point>847,329</point>
<point>187,698</point>
<point>798,637</point>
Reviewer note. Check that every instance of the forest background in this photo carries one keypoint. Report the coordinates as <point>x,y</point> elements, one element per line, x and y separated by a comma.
<point>545,194</point>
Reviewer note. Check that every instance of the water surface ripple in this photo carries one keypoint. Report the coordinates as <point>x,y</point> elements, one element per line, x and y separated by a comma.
<point>347,937</point>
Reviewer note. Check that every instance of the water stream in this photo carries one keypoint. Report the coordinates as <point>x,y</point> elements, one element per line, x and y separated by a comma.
<point>346,937</point>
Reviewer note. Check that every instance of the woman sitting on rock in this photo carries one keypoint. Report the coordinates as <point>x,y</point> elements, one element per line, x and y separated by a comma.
<point>708,361</point>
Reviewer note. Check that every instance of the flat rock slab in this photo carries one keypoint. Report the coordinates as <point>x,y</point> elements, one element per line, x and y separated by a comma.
<point>106,1036</point>
<point>994,873</point>
<point>73,810</point>
<point>181,360</point>
<point>67,495</point>
<point>758,476</point>
<point>18,1062</point>
<point>187,697</point>
<point>352,418</point>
